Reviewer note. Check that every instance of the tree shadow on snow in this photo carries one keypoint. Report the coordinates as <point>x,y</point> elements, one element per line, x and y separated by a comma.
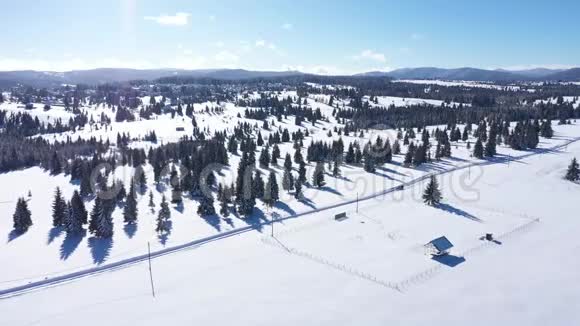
<point>54,233</point>
<point>449,260</point>
<point>130,229</point>
<point>13,235</point>
<point>214,221</point>
<point>179,207</point>
<point>307,202</point>
<point>100,249</point>
<point>255,220</point>
<point>70,244</point>
<point>283,206</point>
<point>330,190</point>
<point>457,211</point>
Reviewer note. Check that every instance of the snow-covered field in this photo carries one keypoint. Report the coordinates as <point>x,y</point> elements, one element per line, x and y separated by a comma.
<point>369,269</point>
<point>460,83</point>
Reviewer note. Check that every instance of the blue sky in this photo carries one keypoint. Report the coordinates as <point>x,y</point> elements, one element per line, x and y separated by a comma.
<point>316,36</point>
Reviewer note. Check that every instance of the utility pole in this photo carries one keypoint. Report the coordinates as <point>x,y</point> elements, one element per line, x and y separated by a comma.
<point>150,271</point>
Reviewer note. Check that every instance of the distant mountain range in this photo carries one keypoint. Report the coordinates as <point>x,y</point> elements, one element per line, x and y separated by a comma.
<point>109,75</point>
<point>475,74</point>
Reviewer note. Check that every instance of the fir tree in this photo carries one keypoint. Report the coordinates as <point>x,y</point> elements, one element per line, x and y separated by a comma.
<point>573,173</point>
<point>490,148</point>
<point>432,194</point>
<point>298,190</point>
<point>288,162</point>
<point>206,206</point>
<point>275,154</point>
<point>271,193</point>
<point>318,176</point>
<point>298,156</point>
<point>258,186</point>
<point>104,222</point>
<point>151,202</point>
<point>163,217</point>
<point>264,158</point>
<point>302,172</point>
<point>58,209</point>
<point>78,207</point>
<point>130,209</point>
<point>336,169</point>
<point>22,217</point>
<point>478,149</point>
<point>95,215</point>
<point>288,180</point>
<point>72,224</point>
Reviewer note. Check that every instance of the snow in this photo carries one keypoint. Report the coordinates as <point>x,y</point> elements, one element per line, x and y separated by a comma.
<point>367,269</point>
<point>54,114</point>
<point>462,83</point>
<point>575,100</point>
<point>323,272</point>
<point>387,101</point>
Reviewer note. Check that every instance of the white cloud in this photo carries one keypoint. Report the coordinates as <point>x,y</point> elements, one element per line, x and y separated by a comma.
<point>179,19</point>
<point>260,43</point>
<point>370,55</point>
<point>218,44</point>
<point>288,26</point>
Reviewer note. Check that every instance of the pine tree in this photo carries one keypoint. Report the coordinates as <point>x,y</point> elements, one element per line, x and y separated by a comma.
<point>288,180</point>
<point>573,173</point>
<point>432,194</point>
<point>78,207</point>
<point>369,160</point>
<point>22,217</point>
<point>206,206</point>
<point>151,202</point>
<point>490,148</point>
<point>302,172</point>
<point>288,162</point>
<point>58,209</point>
<point>72,224</point>
<point>163,217</point>
<point>336,169</point>
<point>271,193</point>
<point>130,209</point>
<point>275,154</point>
<point>264,158</point>
<point>298,190</point>
<point>298,156</point>
<point>258,186</point>
<point>95,215</point>
<point>478,149</point>
<point>224,199</point>
<point>318,176</point>
<point>104,223</point>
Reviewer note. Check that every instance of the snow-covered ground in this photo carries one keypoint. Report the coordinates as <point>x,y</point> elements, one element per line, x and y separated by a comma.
<point>462,83</point>
<point>369,269</point>
<point>52,115</point>
<point>387,101</point>
<point>575,100</point>
<point>321,269</point>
